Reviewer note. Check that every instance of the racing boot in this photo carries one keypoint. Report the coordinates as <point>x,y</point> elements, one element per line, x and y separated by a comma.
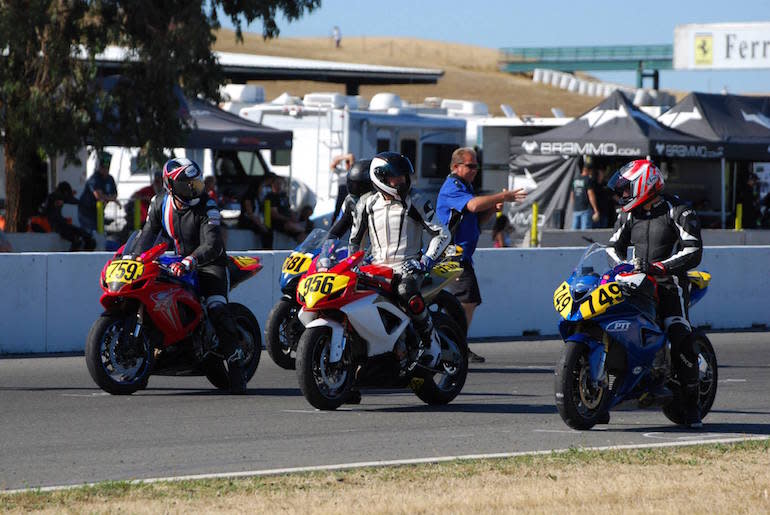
<point>227,333</point>
<point>429,351</point>
<point>690,400</point>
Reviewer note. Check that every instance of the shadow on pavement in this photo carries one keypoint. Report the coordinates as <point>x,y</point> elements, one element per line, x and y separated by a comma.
<point>511,370</point>
<point>468,408</point>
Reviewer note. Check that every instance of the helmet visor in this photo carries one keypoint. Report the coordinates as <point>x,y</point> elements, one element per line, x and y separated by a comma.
<point>187,190</point>
<point>621,187</point>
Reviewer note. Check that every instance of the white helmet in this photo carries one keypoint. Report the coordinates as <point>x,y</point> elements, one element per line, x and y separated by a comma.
<point>391,164</point>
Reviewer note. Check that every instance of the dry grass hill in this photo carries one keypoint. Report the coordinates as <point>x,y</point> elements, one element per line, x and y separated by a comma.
<point>470,72</point>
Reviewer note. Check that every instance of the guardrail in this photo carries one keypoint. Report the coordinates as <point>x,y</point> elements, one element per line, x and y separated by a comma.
<point>49,301</point>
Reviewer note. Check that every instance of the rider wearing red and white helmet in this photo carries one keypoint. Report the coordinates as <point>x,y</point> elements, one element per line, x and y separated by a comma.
<point>185,214</point>
<point>667,243</point>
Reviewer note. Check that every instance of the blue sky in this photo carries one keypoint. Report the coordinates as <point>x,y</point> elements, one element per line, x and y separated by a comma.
<point>499,23</point>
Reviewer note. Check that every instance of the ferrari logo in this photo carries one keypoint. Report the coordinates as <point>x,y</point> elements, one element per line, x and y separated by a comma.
<point>704,49</point>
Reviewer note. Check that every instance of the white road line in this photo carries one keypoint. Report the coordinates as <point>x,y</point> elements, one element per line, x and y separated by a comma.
<point>732,380</point>
<point>392,463</point>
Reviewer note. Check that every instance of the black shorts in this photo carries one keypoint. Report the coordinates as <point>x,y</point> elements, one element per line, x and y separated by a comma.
<point>466,287</point>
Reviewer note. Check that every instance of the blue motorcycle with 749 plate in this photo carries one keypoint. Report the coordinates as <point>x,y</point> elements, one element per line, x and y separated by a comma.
<point>616,351</point>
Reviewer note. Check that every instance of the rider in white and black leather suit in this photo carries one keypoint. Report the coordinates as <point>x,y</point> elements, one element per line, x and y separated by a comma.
<point>396,226</point>
<point>191,220</point>
<point>667,243</point>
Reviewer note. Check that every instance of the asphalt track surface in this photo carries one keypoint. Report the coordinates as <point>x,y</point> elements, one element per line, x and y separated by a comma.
<point>57,428</point>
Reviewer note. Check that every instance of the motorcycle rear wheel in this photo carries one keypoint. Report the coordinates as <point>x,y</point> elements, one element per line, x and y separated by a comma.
<point>214,368</point>
<point>442,388</point>
<point>709,376</point>
<point>325,385</point>
<point>282,332</point>
<point>118,366</point>
<point>446,303</point>
<point>580,404</point>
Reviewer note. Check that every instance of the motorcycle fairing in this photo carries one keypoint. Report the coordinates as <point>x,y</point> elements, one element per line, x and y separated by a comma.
<point>378,321</point>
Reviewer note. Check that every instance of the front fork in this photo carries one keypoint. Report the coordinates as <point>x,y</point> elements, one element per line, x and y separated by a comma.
<point>338,340</point>
<point>597,356</point>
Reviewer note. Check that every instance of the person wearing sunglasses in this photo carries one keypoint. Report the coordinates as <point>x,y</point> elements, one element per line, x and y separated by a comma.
<point>464,212</point>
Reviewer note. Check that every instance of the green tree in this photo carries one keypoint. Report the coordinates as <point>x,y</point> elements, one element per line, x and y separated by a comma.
<point>50,103</point>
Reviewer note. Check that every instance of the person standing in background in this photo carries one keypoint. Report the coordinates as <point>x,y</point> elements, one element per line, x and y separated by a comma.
<point>585,210</point>
<point>341,166</point>
<point>100,187</point>
<point>337,36</point>
<point>460,209</point>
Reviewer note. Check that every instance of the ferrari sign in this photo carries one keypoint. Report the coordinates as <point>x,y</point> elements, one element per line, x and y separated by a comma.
<point>722,46</point>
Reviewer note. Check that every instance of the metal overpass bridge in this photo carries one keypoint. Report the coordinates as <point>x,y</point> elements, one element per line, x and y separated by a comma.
<point>646,60</point>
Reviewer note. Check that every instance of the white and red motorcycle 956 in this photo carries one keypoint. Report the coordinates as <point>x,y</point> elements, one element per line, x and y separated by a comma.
<point>356,334</point>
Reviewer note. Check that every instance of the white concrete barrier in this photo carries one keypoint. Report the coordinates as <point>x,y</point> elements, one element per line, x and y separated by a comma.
<point>49,301</point>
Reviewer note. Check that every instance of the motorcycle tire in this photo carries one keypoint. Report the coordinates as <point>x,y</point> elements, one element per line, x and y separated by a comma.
<point>214,368</point>
<point>709,377</point>
<point>314,371</point>
<point>446,303</point>
<point>579,404</point>
<point>437,389</point>
<point>282,332</point>
<point>107,360</point>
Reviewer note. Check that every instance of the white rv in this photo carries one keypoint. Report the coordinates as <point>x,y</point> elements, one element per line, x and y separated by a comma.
<point>325,125</point>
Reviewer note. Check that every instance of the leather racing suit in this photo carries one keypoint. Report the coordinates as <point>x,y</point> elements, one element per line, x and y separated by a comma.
<point>668,235</point>
<point>395,231</point>
<point>195,231</point>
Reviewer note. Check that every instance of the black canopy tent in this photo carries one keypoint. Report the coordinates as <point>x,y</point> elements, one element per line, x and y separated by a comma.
<point>740,123</point>
<point>212,127</point>
<point>207,126</point>
<point>614,129</point>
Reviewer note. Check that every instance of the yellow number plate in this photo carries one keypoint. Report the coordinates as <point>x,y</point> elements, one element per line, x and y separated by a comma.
<point>562,300</point>
<point>446,268</point>
<point>124,271</point>
<point>601,299</point>
<point>314,288</point>
<point>296,263</point>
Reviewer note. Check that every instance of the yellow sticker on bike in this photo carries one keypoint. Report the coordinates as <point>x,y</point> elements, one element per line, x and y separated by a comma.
<point>601,299</point>
<point>315,288</point>
<point>446,268</point>
<point>562,300</point>
<point>296,263</point>
<point>124,271</point>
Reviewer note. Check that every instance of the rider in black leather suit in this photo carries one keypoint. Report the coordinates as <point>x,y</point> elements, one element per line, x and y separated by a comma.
<point>667,243</point>
<point>191,220</point>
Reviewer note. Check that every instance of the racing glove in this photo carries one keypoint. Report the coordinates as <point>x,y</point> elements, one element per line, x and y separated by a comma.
<point>182,267</point>
<point>411,266</point>
<point>657,268</point>
<point>426,263</point>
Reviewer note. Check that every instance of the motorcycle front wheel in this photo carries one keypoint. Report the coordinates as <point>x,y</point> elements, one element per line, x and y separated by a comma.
<point>282,332</point>
<point>325,385</point>
<point>251,339</point>
<point>437,388</point>
<point>707,382</point>
<point>118,363</point>
<point>581,404</point>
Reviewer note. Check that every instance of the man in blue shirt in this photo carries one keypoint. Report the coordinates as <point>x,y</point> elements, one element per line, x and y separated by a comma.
<point>99,187</point>
<point>457,201</point>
